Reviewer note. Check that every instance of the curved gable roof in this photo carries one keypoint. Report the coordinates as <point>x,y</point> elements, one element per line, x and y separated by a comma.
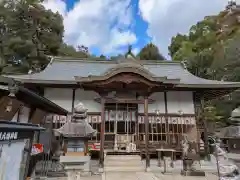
<point>127,67</point>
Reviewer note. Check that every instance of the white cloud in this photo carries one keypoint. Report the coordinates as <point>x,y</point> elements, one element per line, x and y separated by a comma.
<point>135,51</point>
<point>166,18</point>
<point>102,24</point>
<point>56,6</point>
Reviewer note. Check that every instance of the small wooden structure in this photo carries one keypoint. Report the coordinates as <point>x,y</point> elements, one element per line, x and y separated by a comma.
<point>15,148</point>
<point>17,137</point>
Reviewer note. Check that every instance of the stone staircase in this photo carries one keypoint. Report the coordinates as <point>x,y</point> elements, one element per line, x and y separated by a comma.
<point>123,163</point>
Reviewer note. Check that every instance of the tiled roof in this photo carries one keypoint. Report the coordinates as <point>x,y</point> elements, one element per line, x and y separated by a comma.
<point>64,71</point>
<point>73,129</point>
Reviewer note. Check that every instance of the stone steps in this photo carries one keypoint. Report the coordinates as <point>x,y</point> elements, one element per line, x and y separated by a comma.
<point>123,169</point>
<point>123,163</point>
<point>131,163</point>
<point>122,157</point>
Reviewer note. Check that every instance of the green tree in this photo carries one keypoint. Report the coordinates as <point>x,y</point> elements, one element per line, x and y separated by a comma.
<point>232,57</point>
<point>119,56</point>
<point>66,50</point>
<point>31,33</point>
<point>184,52</point>
<point>176,43</point>
<point>150,52</point>
<point>102,56</point>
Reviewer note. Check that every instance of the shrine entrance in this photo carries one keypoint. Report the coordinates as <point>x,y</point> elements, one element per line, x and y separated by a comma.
<point>121,126</point>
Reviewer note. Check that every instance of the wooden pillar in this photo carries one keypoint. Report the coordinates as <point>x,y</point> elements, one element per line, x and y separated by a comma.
<point>102,135</point>
<point>166,117</point>
<point>146,121</point>
<point>137,130</point>
<point>73,99</point>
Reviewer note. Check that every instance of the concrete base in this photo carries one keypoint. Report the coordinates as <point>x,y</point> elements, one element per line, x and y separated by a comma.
<point>73,175</point>
<point>192,173</point>
<point>147,169</point>
<point>76,166</point>
<point>100,170</point>
<point>85,174</point>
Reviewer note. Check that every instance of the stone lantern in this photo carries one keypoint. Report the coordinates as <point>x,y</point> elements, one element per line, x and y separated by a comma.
<point>76,134</point>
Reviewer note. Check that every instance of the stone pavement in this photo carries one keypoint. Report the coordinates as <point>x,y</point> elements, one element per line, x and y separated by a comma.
<point>94,177</point>
<point>132,168</point>
<point>152,176</point>
<point>161,176</point>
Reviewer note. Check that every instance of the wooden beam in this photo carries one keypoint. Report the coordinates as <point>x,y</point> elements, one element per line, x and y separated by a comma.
<point>73,99</point>
<point>131,101</point>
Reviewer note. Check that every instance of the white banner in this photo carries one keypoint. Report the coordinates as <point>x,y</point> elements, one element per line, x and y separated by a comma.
<point>58,119</point>
<point>152,119</point>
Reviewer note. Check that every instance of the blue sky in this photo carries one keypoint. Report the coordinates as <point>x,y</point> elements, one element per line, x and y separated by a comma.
<point>109,26</point>
<point>139,27</point>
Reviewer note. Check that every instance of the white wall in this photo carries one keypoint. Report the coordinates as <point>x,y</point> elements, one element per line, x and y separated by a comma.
<point>24,114</point>
<point>63,97</point>
<point>60,96</point>
<point>177,100</point>
<point>10,160</point>
<point>180,100</point>
<point>157,105</point>
<point>14,119</point>
<point>87,98</point>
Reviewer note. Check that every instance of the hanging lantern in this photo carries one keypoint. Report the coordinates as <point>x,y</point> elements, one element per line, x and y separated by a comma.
<point>9,106</point>
<point>180,112</point>
<point>157,112</point>
<point>12,90</point>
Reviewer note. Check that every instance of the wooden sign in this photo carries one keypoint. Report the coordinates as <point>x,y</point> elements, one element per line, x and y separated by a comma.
<point>11,135</point>
<point>8,136</point>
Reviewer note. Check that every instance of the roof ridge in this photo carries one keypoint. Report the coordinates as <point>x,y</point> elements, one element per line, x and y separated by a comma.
<point>99,60</point>
<point>147,62</point>
<point>75,59</point>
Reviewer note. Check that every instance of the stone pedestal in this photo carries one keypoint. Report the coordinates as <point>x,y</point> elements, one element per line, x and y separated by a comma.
<point>73,175</point>
<point>76,166</point>
<point>190,168</point>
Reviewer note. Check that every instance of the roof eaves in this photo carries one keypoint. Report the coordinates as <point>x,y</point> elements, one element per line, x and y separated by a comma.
<point>46,101</point>
<point>17,125</point>
<point>203,86</point>
<point>41,81</point>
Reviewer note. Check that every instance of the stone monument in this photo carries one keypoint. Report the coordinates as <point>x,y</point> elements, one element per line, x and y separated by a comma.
<point>191,165</point>
<point>76,133</point>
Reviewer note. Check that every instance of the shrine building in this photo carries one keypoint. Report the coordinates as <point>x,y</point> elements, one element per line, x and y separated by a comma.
<point>128,100</point>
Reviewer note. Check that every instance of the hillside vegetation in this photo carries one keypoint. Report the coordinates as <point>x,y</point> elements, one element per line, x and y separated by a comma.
<point>211,50</point>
